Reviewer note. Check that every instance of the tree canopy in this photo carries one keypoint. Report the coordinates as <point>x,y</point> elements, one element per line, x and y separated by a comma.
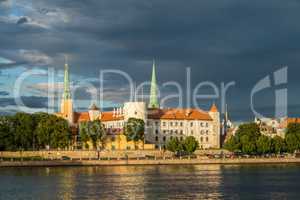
<point>25,131</point>
<point>249,140</point>
<point>92,131</point>
<point>188,145</point>
<point>134,129</point>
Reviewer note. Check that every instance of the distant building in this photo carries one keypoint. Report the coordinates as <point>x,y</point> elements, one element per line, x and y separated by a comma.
<point>161,124</point>
<point>271,127</point>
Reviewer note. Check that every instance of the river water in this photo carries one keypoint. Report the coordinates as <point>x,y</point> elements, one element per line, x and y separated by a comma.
<point>152,182</point>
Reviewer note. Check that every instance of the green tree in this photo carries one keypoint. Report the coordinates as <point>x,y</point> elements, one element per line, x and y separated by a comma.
<point>134,130</point>
<point>190,144</point>
<point>248,145</point>
<point>175,146</point>
<point>245,139</point>
<point>292,138</point>
<point>264,144</point>
<point>278,144</point>
<point>53,131</point>
<point>292,142</point>
<point>232,144</point>
<point>7,141</point>
<point>83,133</point>
<point>92,131</point>
<point>250,129</point>
<point>23,128</point>
<point>293,128</point>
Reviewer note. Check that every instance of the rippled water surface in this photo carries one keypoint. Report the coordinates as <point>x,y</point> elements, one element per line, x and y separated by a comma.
<point>152,182</point>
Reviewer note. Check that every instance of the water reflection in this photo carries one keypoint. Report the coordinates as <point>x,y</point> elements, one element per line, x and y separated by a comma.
<point>151,182</point>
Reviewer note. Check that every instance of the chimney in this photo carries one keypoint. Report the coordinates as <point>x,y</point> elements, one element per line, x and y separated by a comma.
<point>187,112</point>
<point>114,112</point>
<point>119,112</point>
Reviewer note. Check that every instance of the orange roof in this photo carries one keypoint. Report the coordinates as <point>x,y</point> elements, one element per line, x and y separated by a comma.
<point>81,117</point>
<point>288,121</point>
<point>108,116</point>
<point>180,114</point>
<point>214,108</point>
<point>293,120</point>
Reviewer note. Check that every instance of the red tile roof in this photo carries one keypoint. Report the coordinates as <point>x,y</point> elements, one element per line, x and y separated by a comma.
<point>109,116</point>
<point>179,114</point>
<point>81,117</point>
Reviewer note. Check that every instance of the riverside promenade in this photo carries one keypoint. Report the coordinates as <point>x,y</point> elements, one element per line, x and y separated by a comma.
<point>228,161</point>
<point>142,157</point>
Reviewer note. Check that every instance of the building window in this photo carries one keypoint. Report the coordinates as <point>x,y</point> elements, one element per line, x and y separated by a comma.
<point>201,139</point>
<point>156,138</point>
<point>164,138</point>
<point>191,124</point>
<point>181,124</point>
<point>201,124</point>
<point>207,132</point>
<point>171,132</point>
<point>171,137</point>
<point>181,138</point>
<point>171,123</point>
<point>176,123</point>
<point>206,139</point>
<point>175,131</point>
<point>181,132</point>
<point>156,123</point>
<point>192,132</point>
<point>164,131</point>
<point>206,124</point>
<point>156,131</point>
<point>164,123</point>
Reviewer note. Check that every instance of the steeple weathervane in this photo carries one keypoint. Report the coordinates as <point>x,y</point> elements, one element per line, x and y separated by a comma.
<point>153,91</point>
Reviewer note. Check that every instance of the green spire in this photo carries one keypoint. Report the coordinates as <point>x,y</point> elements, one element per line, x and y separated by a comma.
<point>153,91</point>
<point>67,93</point>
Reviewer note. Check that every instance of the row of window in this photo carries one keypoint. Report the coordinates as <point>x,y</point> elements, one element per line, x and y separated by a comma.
<point>202,139</point>
<point>175,123</point>
<point>114,125</point>
<point>202,132</point>
<point>164,138</point>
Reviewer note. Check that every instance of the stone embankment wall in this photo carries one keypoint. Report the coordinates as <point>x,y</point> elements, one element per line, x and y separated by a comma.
<point>149,162</point>
<point>85,154</point>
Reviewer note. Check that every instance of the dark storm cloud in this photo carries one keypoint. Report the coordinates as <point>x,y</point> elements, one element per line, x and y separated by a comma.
<point>4,93</point>
<point>22,20</point>
<point>220,40</point>
<point>29,101</point>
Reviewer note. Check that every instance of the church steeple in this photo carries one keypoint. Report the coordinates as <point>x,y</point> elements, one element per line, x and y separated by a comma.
<point>67,93</point>
<point>153,91</point>
<point>66,107</point>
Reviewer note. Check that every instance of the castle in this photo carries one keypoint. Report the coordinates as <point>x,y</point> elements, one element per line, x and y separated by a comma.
<point>161,124</point>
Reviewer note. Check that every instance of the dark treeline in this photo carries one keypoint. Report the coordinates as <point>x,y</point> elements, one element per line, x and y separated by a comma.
<point>249,140</point>
<point>37,131</point>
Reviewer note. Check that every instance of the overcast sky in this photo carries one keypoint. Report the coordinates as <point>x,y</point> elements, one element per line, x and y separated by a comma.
<point>219,40</point>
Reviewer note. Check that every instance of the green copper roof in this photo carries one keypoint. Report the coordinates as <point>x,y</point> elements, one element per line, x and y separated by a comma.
<point>67,93</point>
<point>153,91</point>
